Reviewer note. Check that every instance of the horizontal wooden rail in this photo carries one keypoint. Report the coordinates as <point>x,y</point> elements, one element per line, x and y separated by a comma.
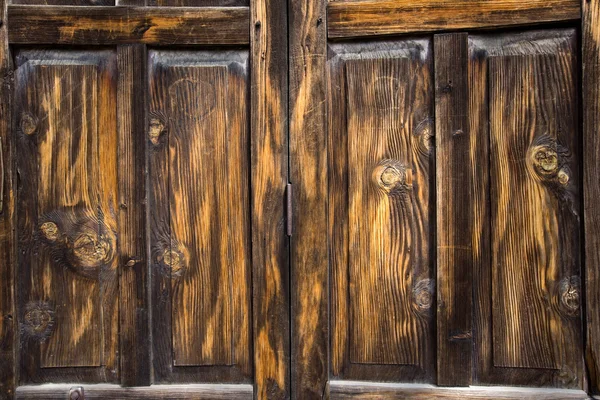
<point>78,25</point>
<point>107,391</point>
<point>348,390</point>
<point>388,17</point>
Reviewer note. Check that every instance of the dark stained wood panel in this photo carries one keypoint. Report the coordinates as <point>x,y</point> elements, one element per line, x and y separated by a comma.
<point>65,2</point>
<point>454,213</point>
<point>308,174</point>
<point>199,146</point>
<point>8,331</point>
<point>381,176</point>
<point>356,18</point>
<point>591,185</point>
<point>67,222</point>
<point>197,3</point>
<point>526,259</point>
<point>79,25</point>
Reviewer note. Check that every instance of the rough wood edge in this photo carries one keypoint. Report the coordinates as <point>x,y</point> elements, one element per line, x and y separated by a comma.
<point>135,352</point>
<point>308,173</point>
<point>362,390</point>
<point>8,336</point>
<point>591,183</point>
<point>269,176</point>
<point>112,25</point>
<point>387,17</point>
<point>454,258</point>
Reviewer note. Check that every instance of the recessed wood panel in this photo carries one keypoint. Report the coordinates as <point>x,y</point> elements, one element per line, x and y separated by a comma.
<point>198,143</point>
<point>66,135</point>
<point>380,183</point>
<point>527,260</point>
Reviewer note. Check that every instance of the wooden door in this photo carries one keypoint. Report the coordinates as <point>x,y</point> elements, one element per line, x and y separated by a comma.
<point>439,197</point>
<point>144,158</point>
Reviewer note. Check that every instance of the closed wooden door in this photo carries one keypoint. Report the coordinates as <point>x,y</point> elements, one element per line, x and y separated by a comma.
<point>144,165</point>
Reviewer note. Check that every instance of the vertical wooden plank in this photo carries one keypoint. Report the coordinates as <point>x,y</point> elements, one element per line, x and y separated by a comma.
<point>454,216</point>
<point>308,174</point>
<point>133,252</point>
<point>7,223</point>
<point>591,183</point>
<point>269,160</point>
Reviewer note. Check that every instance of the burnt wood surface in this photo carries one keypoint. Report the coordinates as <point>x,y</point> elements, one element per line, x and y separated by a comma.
<point>80,25</point>
<point>308,174</point>
<point>357,18</point>
<point>591,183</point>
<point>454,214</point>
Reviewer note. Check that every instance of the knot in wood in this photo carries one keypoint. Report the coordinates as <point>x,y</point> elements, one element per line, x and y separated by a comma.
<point>91,251</point>
<point>38,319</point>
<point>50,231</point>
<point>563,177</point>
<point>423,295</point>
<point>545,161</point>
<point>28,123</point>
<point>155,130</point>
<point>569,289</point>
<point>174,259</point>
<point>392,176</point>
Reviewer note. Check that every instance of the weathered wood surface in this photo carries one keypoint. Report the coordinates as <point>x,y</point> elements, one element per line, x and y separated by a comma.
<point>380,178</point>
<point>133,251</point>
<point>454,214</point>
<point>155,392</point>
<point>591,183</point>
<point>526,265</point>
<point>65,2</point>
<point>65,105</point>
<point>308,163</point>
<point>8,334</point>
<point>269,176</point>
<point>198,3</point>
<point>82,25</point>
<point>198,143</point>
<point>388,17</point>
<point>345,390</point>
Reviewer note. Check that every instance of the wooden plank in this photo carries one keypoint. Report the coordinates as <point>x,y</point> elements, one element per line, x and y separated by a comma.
<point>531,240</point>
<point>157,392</point>
<point>454,224</point>
<point>380,157</point>
<point>133,252</point>
<point>344,390</point>
<point>199,147</point>
<point>7,219</point>
<point>269,176</point>
<point>308,173</point>
<point>591,183</point>
<point>65,2</point>
<point>68,286</point>
<point>82,25</point>
<point>198,3</point>
<point>390,17</point>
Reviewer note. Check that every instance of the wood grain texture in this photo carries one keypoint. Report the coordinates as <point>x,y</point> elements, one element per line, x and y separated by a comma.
<point>269,176</point>
<point>308,163</point>
<point>74,25</point>
<point>158,392</point>
<point>67,218</point>
<point>345,390</point>
<point>198,143</point>
<point>8,334</point>
<point>380,209</point>
<point>133,250</point>
<point>454,214</point>
<point>65,2</point>
<point>386,17</point>
<point>591,183</point>
<point>526,260</point>
<point>198,3</point>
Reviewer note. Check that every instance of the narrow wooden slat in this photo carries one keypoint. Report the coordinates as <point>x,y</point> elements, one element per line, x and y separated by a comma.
<point>82,25</point>
<point>454,258</point>
<point>133,259</point>
<point>347,390</point>
<point>388,17</point>
<point>7,219</point>
<point>308,163</point>
<point>591,182</point>
<point>269,176</point>
<point>157,392</point>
